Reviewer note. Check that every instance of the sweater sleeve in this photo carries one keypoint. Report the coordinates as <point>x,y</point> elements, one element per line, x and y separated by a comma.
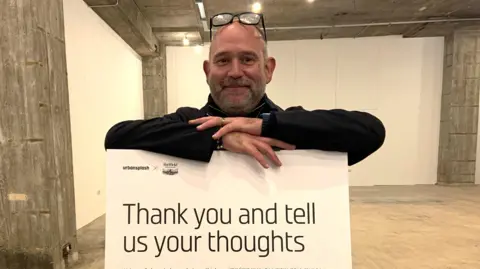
<point>170,134</point>
<point>357,133</point>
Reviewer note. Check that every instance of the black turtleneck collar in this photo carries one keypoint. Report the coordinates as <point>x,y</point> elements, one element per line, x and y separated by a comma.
<point>264,106</point>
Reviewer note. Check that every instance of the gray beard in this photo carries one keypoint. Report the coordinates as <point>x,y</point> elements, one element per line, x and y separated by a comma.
<point>238,110</point>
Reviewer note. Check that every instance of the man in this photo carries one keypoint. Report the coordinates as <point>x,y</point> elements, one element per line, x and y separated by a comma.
<point>239,117</point>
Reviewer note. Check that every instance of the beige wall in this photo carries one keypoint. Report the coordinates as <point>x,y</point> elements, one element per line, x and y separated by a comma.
<point>398,80</point>
<point>105,85</point>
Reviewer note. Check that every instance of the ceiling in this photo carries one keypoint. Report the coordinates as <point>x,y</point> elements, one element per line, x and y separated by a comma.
<point>171,20</point>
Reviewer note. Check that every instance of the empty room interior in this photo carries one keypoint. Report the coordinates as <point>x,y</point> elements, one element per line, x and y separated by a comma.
<point>72,69</point>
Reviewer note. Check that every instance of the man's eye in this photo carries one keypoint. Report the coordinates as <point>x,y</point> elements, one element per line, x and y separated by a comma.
<point>221,61</point>
<point>248,60</point>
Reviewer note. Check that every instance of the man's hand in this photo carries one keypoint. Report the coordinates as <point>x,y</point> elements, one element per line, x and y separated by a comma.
<point>251,126</point>
<point>255,146</point>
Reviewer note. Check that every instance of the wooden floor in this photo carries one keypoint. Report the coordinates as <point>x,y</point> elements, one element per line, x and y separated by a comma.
<point>407,227</point>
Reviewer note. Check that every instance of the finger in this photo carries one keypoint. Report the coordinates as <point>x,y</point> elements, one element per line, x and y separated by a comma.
<point>225,130</point>
<point>277,143</point>
<point>267,150</point>
<point>210,123</point>
<point>200,120</point>
<point>253,151</point>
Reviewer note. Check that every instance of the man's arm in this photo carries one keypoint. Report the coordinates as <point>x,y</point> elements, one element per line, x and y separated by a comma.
<point>357,133</point>
<point>170,135</point>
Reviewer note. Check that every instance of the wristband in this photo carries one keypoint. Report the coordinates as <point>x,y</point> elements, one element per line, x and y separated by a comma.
<point>220,144</point>
<point>268,121</point>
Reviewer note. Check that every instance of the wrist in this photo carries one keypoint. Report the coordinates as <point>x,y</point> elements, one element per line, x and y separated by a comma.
<point>268,122</point>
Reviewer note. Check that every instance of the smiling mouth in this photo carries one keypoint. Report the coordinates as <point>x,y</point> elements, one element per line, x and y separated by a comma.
<point>236,87</point>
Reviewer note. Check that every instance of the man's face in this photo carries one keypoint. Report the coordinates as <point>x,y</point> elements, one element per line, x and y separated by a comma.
<point>237,72</point>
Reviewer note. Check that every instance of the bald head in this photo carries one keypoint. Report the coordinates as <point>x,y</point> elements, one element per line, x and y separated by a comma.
<point>242,31</point>
<point>238,68</point>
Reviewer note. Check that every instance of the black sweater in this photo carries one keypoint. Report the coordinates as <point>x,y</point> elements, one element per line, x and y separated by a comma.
<point>357,133</point>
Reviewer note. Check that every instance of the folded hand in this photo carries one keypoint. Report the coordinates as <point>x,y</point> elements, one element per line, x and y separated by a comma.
<point>251,126</point>
<point>255,146</point>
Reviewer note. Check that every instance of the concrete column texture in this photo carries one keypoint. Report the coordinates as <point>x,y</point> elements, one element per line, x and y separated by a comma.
<point>37,205</point>
<point>459,110</point>
<point>155,84</point>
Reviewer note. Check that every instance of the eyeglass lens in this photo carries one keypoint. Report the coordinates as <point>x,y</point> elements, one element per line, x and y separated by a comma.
<point>222,19</point>
<point>247,18</point>
<point>250,18</point>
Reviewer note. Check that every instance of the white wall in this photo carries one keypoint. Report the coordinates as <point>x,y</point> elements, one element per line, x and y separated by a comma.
<point>105,86</point>
<point>398,80</point>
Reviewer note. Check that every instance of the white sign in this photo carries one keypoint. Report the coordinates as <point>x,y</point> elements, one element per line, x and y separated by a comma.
<point>166,212</point>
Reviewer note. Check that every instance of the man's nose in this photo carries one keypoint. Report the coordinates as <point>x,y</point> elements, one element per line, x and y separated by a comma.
<point>236,70</point>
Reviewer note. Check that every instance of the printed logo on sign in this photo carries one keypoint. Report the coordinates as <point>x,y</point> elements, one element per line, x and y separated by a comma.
<point>139,167</point>
<point>170,169</point>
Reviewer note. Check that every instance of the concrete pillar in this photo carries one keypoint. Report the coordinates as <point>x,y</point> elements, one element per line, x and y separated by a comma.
<point>459,112</point>
<point>155,84</point>
<point>37,205</point>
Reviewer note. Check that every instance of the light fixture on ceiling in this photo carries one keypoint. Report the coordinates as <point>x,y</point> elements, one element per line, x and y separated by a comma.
<point>256,7</point>
<point>310,1</point>
<point>201,8</point>
<point>186,42</point>
<point>422,8</point>
<point>205,25</point>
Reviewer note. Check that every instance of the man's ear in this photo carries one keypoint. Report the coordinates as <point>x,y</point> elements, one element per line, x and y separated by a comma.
<point>270,65</point>
<point>206,67</point>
